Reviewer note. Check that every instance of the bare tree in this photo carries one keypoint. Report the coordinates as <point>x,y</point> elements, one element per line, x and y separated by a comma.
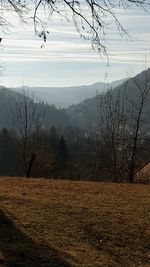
<point>89,17</point>
<point>123,123</point>
<point>139,106</point>
<point>27,119</point>
<point>112,137</point>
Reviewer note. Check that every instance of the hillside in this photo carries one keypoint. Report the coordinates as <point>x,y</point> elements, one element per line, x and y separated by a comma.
<point>61,223</point>
<point>86,114</point>
<point>8,102</point>
<point>52,97</point>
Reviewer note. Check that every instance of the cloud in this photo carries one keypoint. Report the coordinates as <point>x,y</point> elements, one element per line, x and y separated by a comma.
<point>65,48</point>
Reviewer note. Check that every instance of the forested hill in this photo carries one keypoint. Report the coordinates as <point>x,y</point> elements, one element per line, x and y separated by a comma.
<point>52,115</point>
<point>7,102</point>
<point>86,114</point>
<point>58,117</point>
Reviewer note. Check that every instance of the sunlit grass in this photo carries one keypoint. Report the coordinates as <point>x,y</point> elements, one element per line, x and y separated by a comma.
<point>64,223</point>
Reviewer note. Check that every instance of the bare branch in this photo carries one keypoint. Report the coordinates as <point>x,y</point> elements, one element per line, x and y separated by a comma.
<point>90,17</point>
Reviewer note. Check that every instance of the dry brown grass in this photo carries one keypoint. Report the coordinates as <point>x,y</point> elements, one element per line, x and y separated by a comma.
<point>64,223</point>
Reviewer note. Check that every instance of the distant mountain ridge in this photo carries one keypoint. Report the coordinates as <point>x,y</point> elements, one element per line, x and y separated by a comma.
<point>84,115</point>
<point>65,96</point>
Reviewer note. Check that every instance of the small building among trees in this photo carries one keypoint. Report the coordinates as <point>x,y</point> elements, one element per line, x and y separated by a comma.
<point>143,173</point>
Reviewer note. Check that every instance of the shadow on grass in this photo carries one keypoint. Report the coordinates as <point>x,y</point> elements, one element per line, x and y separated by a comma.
<point>17,250</point>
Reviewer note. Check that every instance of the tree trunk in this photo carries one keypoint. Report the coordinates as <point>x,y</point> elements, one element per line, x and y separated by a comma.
<point>28,174</point>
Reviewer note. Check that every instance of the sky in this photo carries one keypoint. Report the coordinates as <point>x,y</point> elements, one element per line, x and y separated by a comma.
<point>67,60</point>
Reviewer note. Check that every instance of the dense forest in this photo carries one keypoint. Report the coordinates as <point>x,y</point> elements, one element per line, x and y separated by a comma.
<point>103,138</point>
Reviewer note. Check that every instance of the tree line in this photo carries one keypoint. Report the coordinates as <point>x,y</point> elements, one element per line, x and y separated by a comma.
<point>56,153</point>
<point>70,154</point>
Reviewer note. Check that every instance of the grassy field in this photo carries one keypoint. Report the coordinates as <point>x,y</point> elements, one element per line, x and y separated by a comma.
<point>63,223</point>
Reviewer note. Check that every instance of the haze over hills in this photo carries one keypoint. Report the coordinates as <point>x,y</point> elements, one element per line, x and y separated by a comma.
<point>66,96</point>
<point>84,115</point>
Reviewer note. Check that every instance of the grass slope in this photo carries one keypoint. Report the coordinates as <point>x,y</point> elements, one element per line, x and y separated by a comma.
<point>63,223</point>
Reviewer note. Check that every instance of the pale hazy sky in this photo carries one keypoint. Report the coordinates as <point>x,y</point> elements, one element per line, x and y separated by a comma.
<point>68,60</point>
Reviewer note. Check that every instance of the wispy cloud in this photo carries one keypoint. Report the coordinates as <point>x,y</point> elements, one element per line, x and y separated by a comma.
<point>64,47</point>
